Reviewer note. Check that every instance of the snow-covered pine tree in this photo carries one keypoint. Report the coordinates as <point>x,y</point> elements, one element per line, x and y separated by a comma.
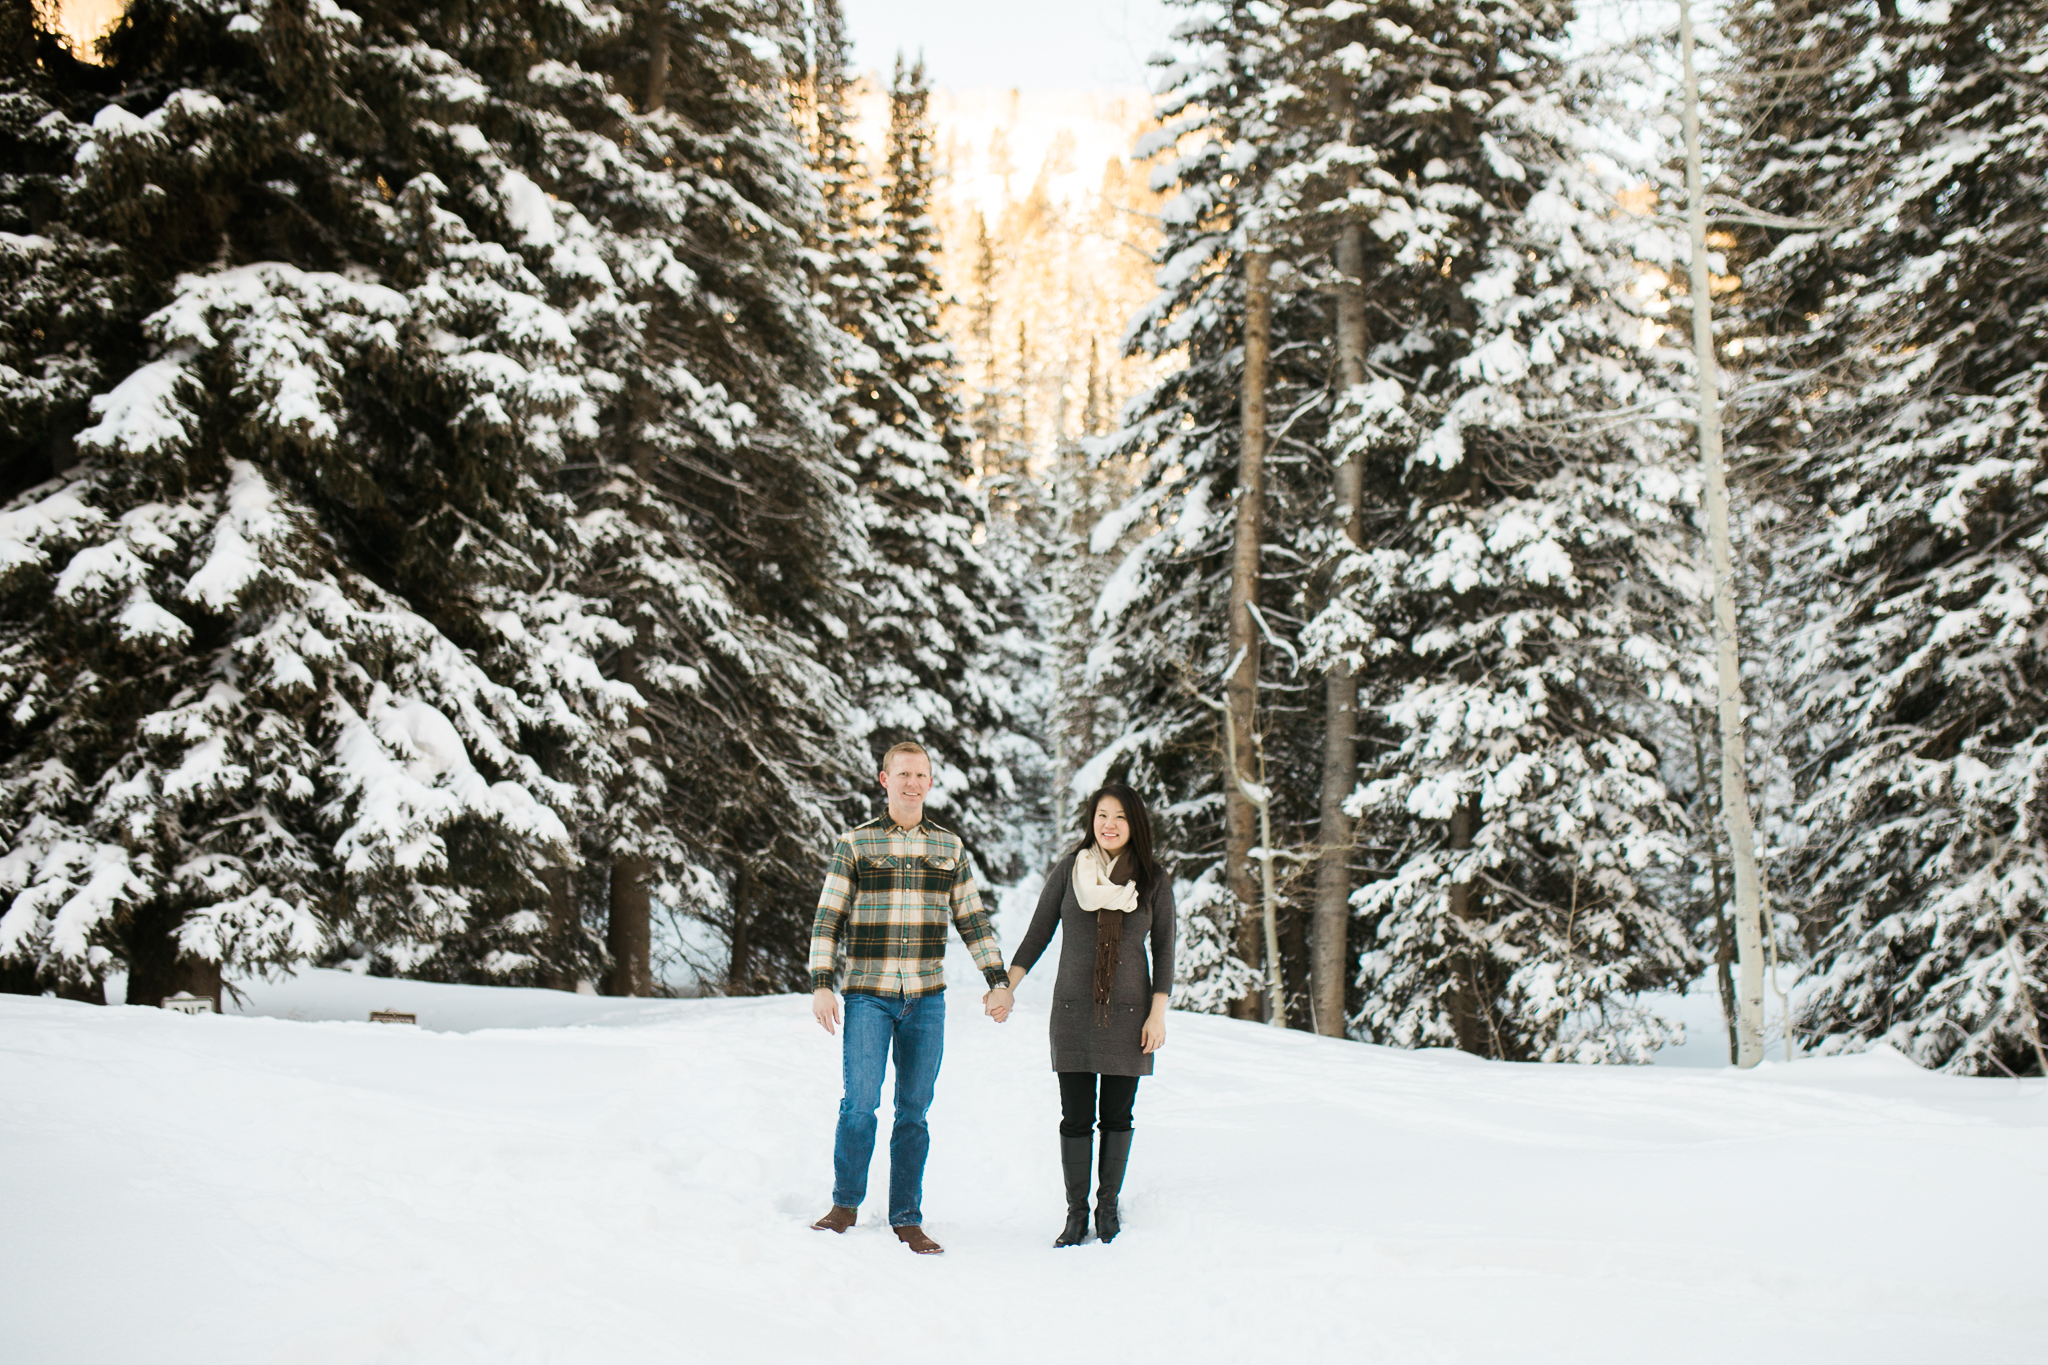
<point>1895,351</point>
<point>1161,652</point>
<point>287,667</point>
<point>938,644</point>
<point>1525,584</point>
<point>714,518</point>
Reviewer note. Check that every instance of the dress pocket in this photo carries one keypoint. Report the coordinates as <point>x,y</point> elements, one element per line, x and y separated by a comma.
<point>1077,1015</point>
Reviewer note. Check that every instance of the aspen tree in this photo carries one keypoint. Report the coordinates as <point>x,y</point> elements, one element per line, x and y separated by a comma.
<point>1735,808</point>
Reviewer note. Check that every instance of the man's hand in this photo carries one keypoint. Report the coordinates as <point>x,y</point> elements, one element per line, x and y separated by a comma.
<point>998,1003</point>
<point>825,1008</point>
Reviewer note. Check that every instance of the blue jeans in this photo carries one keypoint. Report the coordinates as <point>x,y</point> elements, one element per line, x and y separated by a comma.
<point>915,1028</point>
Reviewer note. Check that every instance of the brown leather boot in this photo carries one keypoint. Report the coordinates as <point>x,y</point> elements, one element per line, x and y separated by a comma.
<point>912,1236</point>
<point>839,1220</point>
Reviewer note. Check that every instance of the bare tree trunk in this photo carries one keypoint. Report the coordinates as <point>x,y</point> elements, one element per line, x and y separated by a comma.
<point>1724,955</point>
<point>560,882</point>
<point>738,964</point>
<point>629,919</point>
<point>1469,1005</point>
<point>629,928</point>
<point>157,969</point>
<point>1724,928</point>
<point>1297,962</point>
<point>657,57</point>
<point>1734,760</point>
<point>1340,701</point>
<point>197,976</point>
<point>1241,687</point>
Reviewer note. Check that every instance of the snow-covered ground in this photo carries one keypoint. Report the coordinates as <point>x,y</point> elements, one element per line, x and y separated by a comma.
<point>532,1176</point>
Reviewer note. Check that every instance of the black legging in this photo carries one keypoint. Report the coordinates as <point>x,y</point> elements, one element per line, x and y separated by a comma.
<point>1077,1103</point>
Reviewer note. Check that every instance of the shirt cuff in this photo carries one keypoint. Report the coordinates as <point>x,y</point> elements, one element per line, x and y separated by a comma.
<point>996,976</point>
<point>822,981</point>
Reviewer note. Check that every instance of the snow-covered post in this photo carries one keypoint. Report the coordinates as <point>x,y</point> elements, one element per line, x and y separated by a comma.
<point>1734,762</point>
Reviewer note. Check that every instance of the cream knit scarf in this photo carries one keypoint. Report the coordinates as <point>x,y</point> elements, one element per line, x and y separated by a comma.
<point>1094,884</point>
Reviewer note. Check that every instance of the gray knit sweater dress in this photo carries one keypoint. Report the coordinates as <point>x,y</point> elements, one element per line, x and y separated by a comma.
<point>1079,1043</point>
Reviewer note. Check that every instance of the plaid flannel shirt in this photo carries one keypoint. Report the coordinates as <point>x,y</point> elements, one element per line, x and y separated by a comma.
<point>888,894</point>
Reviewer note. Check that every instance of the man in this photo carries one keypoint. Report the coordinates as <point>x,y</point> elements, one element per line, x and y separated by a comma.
<point>889,890</point>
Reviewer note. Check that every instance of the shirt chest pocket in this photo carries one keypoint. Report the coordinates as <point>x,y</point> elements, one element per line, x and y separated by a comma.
<point>932,872</point>
<point>878,873</point>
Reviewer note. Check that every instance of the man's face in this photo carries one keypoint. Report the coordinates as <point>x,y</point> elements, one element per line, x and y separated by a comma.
<point>908,780</point>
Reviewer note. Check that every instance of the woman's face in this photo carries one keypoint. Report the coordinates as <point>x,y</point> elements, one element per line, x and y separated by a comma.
<point>1112,826</point>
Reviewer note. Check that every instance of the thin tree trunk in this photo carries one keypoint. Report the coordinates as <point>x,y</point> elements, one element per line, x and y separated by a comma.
<point>629,928</point>
<point>1469,1006</point>
<point>1340,699</point>
<point>1734,762</point>
<point>1724,928</point>
<point>560,882</point>
<point>1241,687</point>
<point>1724,956</point>
<point>737,981</point>
<point>1298,964</point>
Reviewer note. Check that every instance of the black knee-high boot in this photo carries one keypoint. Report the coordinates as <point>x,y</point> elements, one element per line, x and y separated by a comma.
<point>1116,1154</point>
<point>1077,1154</point>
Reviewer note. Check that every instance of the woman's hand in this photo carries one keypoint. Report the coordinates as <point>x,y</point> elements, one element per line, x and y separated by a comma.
<point>1153,1036</point>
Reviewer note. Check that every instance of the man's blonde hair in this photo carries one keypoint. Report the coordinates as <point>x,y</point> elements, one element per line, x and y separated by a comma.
<point>908,746</point>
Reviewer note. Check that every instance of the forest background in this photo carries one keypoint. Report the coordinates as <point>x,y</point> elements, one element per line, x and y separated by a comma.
<point>483,483</point>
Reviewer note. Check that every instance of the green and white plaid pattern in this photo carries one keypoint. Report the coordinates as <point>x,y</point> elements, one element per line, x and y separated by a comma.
<point>888,894</point>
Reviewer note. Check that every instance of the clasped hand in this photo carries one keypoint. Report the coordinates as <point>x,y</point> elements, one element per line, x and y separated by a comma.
<point>997,1004</point>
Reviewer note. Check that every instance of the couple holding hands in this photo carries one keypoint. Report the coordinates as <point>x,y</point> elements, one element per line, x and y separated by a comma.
<point>891,888</point>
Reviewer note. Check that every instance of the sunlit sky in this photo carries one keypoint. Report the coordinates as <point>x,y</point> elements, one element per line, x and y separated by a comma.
<point>967,44</point>
<point>1034,44</point>
<point>1026,44</point>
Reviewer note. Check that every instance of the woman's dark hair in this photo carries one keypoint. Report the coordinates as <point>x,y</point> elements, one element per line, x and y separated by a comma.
<point>1140,845</point>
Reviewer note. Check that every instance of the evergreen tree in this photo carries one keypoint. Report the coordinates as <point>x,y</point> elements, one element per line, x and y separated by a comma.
<point>1523,586</point>
<point>715,519</point>
<point>285,665</point>
<point>1524,589</point>
<point>1894,350</point>
<point>938,642</point>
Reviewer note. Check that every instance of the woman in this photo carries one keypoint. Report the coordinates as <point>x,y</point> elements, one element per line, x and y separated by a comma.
<point>1112,901</point>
